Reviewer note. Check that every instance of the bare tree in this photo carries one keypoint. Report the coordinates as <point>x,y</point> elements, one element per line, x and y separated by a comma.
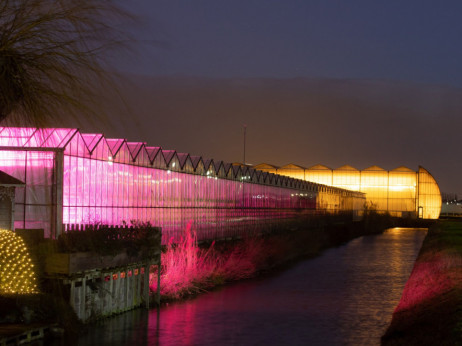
<point>52,55</point>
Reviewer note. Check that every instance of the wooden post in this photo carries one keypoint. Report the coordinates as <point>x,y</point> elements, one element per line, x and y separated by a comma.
<point>117,290</point>
<point>111,291</point>
<point>139,289</point>
<point>72,299</point>
<point>128,304</point>
<point>57,208</point>
<point>83,300</point>
<point>146,283</point>
<point>158,286</point>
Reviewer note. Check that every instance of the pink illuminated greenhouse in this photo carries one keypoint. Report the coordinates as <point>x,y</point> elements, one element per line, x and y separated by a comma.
<point>72,178</point>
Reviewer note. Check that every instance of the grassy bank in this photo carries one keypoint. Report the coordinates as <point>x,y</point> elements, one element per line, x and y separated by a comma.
<point>188,269</point>
<point>430,309</point>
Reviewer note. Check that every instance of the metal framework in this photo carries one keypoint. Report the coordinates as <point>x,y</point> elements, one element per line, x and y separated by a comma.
<point>72,178</point>
<point>401,192</point>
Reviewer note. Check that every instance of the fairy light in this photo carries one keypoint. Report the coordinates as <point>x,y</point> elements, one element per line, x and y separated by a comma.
<point>17,273</point>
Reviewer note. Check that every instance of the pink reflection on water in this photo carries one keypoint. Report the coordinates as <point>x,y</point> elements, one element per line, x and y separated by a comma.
<point>339,298</point>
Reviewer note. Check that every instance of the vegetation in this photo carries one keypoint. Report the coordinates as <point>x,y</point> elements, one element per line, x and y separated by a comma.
<point>189,269</point>
<point>106,240</point>
<point>52,55</point>
<point>430,309</point>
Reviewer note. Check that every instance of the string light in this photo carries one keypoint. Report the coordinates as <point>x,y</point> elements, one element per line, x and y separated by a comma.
<point>17,273</point>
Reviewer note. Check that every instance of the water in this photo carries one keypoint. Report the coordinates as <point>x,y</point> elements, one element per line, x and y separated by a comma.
<point>344,297</point>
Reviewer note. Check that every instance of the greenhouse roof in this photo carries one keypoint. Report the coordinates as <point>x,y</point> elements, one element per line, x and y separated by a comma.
<point>96,146</point>
<point>31,137</point>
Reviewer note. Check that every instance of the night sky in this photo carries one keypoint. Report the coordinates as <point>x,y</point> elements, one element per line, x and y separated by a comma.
<point>398,40</point>
<point>331,82</point>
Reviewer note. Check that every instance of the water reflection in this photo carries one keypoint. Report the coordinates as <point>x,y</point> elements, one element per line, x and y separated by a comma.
<point>344,297</point>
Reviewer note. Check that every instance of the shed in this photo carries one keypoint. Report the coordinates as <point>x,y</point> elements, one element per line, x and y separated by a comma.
<point>8,185</point>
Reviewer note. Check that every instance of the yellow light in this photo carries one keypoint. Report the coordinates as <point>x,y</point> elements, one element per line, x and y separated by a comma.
<point>400,191</point>
<point>13,266</point>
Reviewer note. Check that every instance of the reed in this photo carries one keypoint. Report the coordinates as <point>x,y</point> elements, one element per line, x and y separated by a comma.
<point>188,269</point>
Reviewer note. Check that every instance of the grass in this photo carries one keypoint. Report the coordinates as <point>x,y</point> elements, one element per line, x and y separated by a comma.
<point>430,309</point>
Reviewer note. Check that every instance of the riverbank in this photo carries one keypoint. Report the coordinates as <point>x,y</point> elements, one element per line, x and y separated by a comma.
<point>245,258</point>
<point>345,296</point>
<point>189,270</point>
<point>430,309</point>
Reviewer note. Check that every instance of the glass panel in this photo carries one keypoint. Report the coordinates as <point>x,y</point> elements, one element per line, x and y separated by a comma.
<point>76,147</point>
<point>16,136</point>
<point>266,168</point>
<point>134,149</point>
<point>59,138</point>
<point>91,140</point>
<point>429,195</point>
<point>38,138</point>
<point>143,158</point>
<point>114,145</point>
<point>402,192</point>
<point>293,171</point>
<point>319,174</point>
<point>374,183</point>
<point>123,154</point>
<point>347,177</point>
<point>152,152</point>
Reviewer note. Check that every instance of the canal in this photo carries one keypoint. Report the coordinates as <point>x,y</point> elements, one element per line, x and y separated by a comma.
<point>346,296</point>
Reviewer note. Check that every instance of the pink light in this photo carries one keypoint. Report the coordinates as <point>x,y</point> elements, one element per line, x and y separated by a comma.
<point>17,159</point>
<point>185,266</point>
<point>15,136</point>
<point>35,168</point>
<point>111,181</point>
<point>427,281</point>
<point>96,191</point>
<point>36,138</point>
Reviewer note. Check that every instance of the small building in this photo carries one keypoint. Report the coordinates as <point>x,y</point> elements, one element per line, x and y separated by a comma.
<point>8,185</point>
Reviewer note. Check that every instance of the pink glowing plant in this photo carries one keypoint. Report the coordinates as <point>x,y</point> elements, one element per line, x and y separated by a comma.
<point>184,266</point>
<point>188,269</point>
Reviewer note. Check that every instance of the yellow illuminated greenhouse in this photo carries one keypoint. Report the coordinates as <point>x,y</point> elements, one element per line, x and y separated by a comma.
<point>401,192</point>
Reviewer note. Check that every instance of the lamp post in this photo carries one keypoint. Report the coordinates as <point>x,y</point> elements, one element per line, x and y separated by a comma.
<point>245,132</point>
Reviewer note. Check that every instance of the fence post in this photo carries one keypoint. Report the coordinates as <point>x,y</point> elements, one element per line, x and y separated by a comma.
<point>158,285</point>
<point>146,282</point>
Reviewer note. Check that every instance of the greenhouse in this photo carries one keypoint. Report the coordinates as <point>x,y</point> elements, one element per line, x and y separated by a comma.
<point>401,192</point>
<point>68,179</point>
